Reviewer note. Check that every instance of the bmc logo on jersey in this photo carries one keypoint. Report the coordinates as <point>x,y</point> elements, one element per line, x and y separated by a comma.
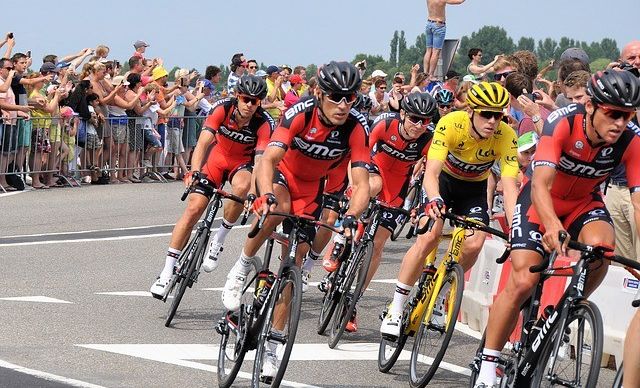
<point>561,112</point>
<point>582,170</point>
<point>237,136</point>
<point>297,108</point>
<point>399,154</point>
<point>318,151</point>
<point>385,116</point>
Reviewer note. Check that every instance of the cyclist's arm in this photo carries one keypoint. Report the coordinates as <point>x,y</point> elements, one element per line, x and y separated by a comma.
<point>204,143</point>
<point>265,168</point>
<point>431,178</point>
<point>543,177</point>
<point>510,193</point>
<point>437,154</point>
<point>509,169</point>
<point>360,157</point>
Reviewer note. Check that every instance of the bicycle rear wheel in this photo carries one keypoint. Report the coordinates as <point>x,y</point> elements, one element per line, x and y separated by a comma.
<point>288,295</point>
<point>329,303</point>
<point>413,193</point>
<point>186,266</point>
<point>578,360</point>
<point>347,304</point>
<point>617,382</point>
<point>435,330</point>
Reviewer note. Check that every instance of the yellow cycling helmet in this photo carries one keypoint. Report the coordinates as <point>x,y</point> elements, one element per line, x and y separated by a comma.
<point>488,96</point>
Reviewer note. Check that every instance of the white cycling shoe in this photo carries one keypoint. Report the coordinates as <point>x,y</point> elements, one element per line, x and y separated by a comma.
<point>232,292</point>
<point>390,327</point>
<point>159,288</point>
<point>211,261</point>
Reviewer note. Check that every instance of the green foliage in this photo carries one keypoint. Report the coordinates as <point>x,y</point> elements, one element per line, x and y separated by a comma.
<point>599,64</point>
<point>393,57</point>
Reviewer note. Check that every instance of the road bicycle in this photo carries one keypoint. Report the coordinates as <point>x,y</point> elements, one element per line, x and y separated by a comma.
<point>412,201</point>
<point>563,345</point>
<point>432,309</point>
<point>187,268</point>
<point>254,324</point>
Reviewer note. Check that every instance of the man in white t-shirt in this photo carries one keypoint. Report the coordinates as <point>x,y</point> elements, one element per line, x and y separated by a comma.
<point>380,98</point>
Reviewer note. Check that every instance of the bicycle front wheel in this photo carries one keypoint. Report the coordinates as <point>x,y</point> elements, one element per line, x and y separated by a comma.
<point>280,327</point>
<point>414,194</point>
<point>346,307</point>
<point>436,328</point>
<point>577,363</point>
<point>329,303</point>
<point>389,351</point>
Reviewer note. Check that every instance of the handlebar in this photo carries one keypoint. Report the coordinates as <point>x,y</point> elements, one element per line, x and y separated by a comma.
<point>305,219</point>
<point>223,194</point>
<point>466,223</point>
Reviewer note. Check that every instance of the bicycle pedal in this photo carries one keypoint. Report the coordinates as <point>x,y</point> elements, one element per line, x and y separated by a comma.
<point>266,379</point>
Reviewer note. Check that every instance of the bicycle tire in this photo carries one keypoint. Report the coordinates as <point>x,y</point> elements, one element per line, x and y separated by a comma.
<point>346,306</point>
<point>386,363</point>
<point>589,312</point>
<point>329,303</point>
<point>400,225</point>
<point>182,279</point>
<point>291,277</point>
<point>227,375</point>
<point>455,275</point>
<point>617,381</point>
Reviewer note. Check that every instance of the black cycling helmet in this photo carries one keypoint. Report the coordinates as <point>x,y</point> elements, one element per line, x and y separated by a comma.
<point>363,103</point>
<point>620,89</point>
<point>419,104</point>
<point>253,86</point>
<point>339,77</point>
<point>444,97</point>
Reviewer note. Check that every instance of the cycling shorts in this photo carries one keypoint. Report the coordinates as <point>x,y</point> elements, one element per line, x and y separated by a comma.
<point>394,186</point>
<point>465,198</point>
<point>527,229</point>
<point>221,168</point>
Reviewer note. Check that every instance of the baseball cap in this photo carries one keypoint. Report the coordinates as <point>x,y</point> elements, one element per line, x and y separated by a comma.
<point>66,111</point>
<point>62,65</point>
<point>295,79</point>
<point>140,43</point>
<point>49,67</point>
<point>575,53</point>
<point>158,73</point>
<point>451,74</point>
<point>119,79</point>
<point>378,73</point>
<point>526,141</point>
<point>208,84</point>
<point>272,69</point>
<point>261,73</point>
<point>286,67</point>
<point>470,78</point>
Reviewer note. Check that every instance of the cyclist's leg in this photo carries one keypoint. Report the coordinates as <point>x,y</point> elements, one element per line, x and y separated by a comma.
<point>379,241</point>
<point>631,376</point>
<point>471,202</point>
<point>375,184</point>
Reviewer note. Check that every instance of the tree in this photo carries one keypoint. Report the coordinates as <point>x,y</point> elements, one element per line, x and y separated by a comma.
<point>526,43</point>
<point>609,49</point>
<point>393,58</point>
<point>599,64</point>
<point>172,74</point>
<point>546,49</point>
<point>492,40</point>
<point>402,49</point>
<point>312,70</point>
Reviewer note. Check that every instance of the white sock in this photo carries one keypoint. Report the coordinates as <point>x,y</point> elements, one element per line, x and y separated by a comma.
<point>310,260</point>
<point>170,262</point>
<point>399,297</point>
<point>487,373</point>
<point>223,230</point>
<point>244,264</point>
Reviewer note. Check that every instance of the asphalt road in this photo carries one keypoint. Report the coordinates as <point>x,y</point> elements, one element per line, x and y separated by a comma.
<point>74,302</point>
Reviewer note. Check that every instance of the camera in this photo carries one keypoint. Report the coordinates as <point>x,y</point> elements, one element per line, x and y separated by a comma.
<point>533,96</point>
<point>10,35</point>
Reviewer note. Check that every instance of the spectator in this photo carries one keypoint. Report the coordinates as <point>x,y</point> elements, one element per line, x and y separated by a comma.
<point>135,65</point>
<point>140,48</point>
<point>69,123</point>
<point>565,68</point>
<point>575,87</point>
<point>165,99</point>
<point>397,92</point>
<point>262,74</point>
<point>366,86</point>
<point>375,76</point>
<point>10,41</point>
<point>302,72</point>
<point>274,105</point>
<point>238,67</point>
<point>422,80</point>
<point>435,32</point>
<point>212,76</point>
<point>575,53</point>
<point>312,85</point>
<point>136,123</point>
<point>59,149</point>
<point>527,63</point>
<point>522,98</point>
<point>475,68</point>
<point>460,102</point>
<point>102,52</point>
<point>527,144</point>
<point>175,125</point>
<point>502,68</point>
<point>93,143</point>
<point>286,73</point>
<point>293,95</point>
<point>451,80</point>
<point>252,66</point>
<point>380,99</point>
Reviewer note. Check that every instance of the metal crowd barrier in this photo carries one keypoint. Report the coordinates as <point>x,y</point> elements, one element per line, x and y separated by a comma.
<point>57,151</point>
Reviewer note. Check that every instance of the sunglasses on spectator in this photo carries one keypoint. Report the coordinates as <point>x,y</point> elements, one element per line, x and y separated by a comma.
<point>338,98</point>
<point>616,114</point>
<point>382,87</point>
<point>488,114</point>
<point>253,67</point>
<point>444,106</point>
<point>498,76</point>
<point>415,120</point>
<point>248,99</point>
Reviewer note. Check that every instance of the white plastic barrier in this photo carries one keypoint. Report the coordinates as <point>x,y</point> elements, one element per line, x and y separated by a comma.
<point>613,297</point>
<point>482,285</point>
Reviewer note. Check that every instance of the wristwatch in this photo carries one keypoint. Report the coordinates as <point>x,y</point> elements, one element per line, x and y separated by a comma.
<point>535,118</point>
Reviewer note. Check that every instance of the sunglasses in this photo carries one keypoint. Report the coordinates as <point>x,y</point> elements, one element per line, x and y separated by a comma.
<point>382,88</point>
<point>338,98</point>
<point>253,67</point>
<point>498,76</point>
<point>443,106</point>
<point>616,114</point>
<point>247,100</point>
<point>415,120</point>
<point>488,114</point>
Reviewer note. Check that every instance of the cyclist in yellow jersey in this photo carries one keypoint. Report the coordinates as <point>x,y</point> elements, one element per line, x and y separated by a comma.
<point>464,147</point>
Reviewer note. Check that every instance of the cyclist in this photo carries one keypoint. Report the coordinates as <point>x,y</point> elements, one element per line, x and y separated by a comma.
<point>464,147</point>
<point>444,98</point>
<point>336,183</point>
<point>579,147</point>
<point>313,137</point>
<point>236,131</point>
<point>398,141</point>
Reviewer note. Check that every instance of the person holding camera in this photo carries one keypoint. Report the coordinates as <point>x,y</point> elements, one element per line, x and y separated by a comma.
<point>519,86</point>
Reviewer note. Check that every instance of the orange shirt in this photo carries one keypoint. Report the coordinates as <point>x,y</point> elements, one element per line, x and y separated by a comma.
<point>162,119</point>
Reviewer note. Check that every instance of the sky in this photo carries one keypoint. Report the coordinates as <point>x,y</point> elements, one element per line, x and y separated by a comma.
<point>197,33</point>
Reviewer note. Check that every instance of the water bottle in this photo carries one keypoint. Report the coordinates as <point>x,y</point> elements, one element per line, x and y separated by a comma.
<point>535,329</point>
<point>339,242</point>
<point>265,282</point>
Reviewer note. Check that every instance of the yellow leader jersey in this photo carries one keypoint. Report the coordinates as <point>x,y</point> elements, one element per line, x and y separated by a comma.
<point>469,159</point>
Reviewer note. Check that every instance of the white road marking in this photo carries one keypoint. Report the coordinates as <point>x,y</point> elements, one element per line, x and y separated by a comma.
<point>465,329</point>
<point>91,231</point>
<point>178,354</point>
<point>48,376</point>
<point>126,293</point>
<point>10,193</point>
<point>37,299</point>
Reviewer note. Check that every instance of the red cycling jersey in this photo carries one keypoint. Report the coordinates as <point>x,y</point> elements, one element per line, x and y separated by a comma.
<point>314,148</point>
<point>234,148</point>
<point>581,167</point>
<point>394,157</point>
